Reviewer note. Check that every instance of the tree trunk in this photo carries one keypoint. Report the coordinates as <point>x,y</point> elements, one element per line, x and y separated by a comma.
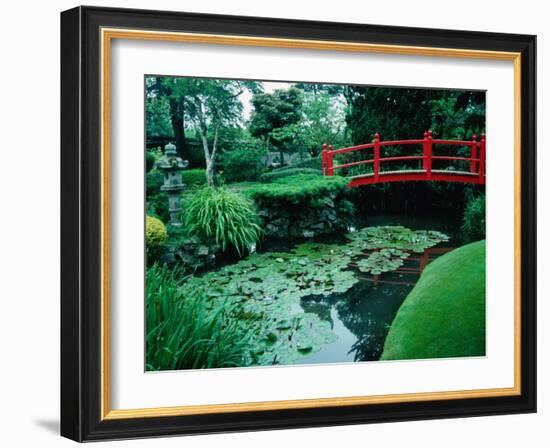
<point>178,126</point>
<point>281,156</point>
<point>210,171</point>
<point>209,158</point>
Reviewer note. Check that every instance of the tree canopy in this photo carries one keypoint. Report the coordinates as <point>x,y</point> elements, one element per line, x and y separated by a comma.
<point>405,113</point>
<point>275,117</point>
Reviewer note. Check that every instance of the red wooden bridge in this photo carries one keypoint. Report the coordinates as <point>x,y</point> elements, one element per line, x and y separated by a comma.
<point>474,173</point>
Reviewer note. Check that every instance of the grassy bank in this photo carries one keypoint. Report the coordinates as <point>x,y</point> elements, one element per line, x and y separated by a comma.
<point>444,315</point>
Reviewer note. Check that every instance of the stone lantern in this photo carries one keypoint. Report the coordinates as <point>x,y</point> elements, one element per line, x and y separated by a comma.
<point>172,165</point>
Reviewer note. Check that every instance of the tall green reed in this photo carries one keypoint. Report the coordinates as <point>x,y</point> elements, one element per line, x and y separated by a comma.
<point>185,332</point>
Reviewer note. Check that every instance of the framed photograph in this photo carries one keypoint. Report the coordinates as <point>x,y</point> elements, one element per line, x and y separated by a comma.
<point>276,224</point>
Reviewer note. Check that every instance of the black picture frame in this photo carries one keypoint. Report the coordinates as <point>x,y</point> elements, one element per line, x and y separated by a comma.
<point>81,209</point>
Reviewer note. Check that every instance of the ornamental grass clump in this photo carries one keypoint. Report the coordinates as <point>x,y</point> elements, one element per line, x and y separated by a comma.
<point>186,332</point>
<point>226,216</point>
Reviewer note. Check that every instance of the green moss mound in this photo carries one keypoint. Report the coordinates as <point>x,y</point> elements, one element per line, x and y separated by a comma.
<point>444,315</point>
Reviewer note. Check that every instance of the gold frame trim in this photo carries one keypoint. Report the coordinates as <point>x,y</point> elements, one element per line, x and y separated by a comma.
<point>107,35</point>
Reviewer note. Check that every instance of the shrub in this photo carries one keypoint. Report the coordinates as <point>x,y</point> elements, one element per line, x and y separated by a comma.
<point>157,200</point>
<point>301,205</point>
<point>473,220</point>
<point>242,164</point>
<point>194,177</point>
<point>296,189</point>
<point>155,232</point>
<point>151,157</point>
<point>187,332</point>
<point>274,175</point>
<point>157,206</point>
<point>154,179</point>
<point>224,215</point>
<point>312,162</point>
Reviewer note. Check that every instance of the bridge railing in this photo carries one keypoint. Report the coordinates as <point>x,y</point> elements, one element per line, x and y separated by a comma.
<point>476,161</point>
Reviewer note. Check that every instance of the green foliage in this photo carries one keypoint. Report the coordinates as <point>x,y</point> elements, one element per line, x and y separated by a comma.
<point>184,331</point>
<point>157,200</point>
<point>193,178</point>
<point>275,117</point>
<point>473,220</point>
<point>395,113</point>
<point>403,113</point>
<point>310,162</point>
<point>264,291</point>
<point>157,116</point>
<point>323,118</point>
<point>155,232</point>
<point>151,157</point>
<point>274,175</point>
<point>242,164</point>
<point>157,205</point>
<point>395,237</point>
<point>458,115</point>
<point>274,111</point>
<point>296,189</point>
<point>384,260</point>
<point>225,216</point>
<point>444,315</point>
<point>154,179</point>
<point>205,105</point>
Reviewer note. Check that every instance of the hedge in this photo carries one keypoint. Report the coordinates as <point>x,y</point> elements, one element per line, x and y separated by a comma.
<point>274,175</point>
<point>295,189</point>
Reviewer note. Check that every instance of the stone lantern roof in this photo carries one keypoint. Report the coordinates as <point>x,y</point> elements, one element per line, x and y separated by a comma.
<point>170,161</point>
<point>172,165</point>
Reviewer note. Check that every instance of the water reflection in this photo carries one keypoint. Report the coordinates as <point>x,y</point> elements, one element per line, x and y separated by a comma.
<point>361,317</point>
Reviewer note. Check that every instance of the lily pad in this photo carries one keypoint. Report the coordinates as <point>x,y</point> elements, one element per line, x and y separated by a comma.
<point>264,291</point>
<point>395,237</point>
<point>384,260</point>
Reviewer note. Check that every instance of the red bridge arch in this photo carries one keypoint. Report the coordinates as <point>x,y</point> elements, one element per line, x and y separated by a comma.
<point>474,175</point>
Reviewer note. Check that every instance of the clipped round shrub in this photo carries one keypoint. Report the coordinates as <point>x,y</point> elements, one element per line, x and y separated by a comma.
<point>473,220</point>
<point>155,232</point>
<point>226,216</point>
<point>274,175</point>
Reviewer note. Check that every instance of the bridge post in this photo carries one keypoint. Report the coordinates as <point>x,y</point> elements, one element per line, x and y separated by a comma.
<point>427,154</point>
<point>482,159</point>
<point>473,163</point>
<point>330,169</point>
<point>376,165</point>
<point>324,159</point>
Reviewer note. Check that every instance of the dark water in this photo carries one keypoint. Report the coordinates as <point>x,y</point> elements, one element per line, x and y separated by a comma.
<point>362,316</point>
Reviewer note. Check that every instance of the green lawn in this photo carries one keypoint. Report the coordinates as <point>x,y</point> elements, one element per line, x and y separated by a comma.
<point>444,315</point>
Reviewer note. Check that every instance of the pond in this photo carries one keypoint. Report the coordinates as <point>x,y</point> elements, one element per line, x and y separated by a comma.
<point>330,300</point>
<point>361,317</point>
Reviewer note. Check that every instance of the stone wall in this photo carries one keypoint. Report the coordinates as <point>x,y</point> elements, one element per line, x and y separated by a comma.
<point>325,216</point>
